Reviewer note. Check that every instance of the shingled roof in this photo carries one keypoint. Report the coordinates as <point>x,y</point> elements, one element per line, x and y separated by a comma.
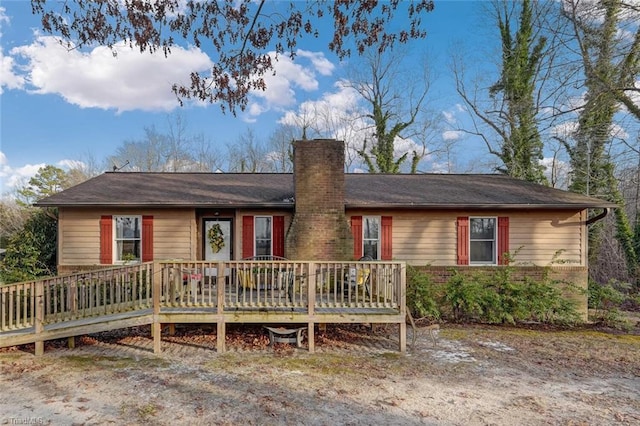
<point>433,191</point>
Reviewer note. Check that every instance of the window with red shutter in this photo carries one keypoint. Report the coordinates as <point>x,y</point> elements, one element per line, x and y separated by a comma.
<point>483,240</point>
<point>262,236</point>
<point>503,240</point>
<point>386,238</point>
<point>463,241</point>
<point>147,238</point>
<point>356,231</point>
<point>106,240</point>
<point>278,236</point>
<point>247,236</point>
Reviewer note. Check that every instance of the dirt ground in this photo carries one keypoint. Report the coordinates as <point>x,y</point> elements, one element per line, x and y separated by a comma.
<point>474,375</point>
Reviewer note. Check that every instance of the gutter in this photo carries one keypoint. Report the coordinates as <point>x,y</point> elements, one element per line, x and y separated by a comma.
<point>605,212</point>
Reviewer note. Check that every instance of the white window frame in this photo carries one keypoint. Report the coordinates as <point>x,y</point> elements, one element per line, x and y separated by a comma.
<point>378,219</point>
<point>116,251</point>
<point>494,240</point>
<point>255,236</point>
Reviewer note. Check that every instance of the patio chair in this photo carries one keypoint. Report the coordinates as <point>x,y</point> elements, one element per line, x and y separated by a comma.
<point>285,279</point>
<point>361,279</point>
<point>265,257</point>
<point>245,279</point>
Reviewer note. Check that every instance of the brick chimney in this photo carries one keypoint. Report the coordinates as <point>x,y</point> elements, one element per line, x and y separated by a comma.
<point>319,229</point>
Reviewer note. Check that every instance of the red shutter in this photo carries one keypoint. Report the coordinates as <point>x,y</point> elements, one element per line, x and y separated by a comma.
<point>147,238</point>
<point>463,241</point>
<point>106,240</point>
<point>387,238</point>
<point>503,240</point>
<point>356,231</point>
<point>247,236</point>
<point>278,236</point>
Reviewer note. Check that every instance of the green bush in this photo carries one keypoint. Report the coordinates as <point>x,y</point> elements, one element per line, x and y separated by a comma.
<point>422,295</point>
<point>605,300</point>
<point>495,297</point>
<point>464,296</point>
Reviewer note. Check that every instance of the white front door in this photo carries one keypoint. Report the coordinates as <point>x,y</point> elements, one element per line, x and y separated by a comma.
<point>217,239</point>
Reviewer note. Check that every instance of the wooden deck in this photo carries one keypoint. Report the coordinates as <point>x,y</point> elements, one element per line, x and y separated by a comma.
<point>157,293</point>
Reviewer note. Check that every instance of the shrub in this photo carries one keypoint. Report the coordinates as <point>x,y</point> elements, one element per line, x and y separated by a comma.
<point>498,298</point>
<point>605,299</point>
<point>422,294</point>
<point>465,296</point>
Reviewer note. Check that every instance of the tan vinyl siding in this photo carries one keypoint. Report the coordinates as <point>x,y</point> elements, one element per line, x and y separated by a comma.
<point>425,238</point>
<point>79,237</point>
<point>538,236</point>
<point>429,238</point>
<point>79,234</point>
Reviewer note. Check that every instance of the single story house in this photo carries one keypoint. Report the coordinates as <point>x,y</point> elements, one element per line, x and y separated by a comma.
<point>319,212</point>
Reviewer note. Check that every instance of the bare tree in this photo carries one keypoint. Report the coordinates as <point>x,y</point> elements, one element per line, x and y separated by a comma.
<point>13,216</point>
<point>280,148</point>
<point>247,154</point>
<point>179,145</point>
<point>395,98</point>
<point>205,157</point>
<point>144,155</point>
<point>506,114</point>
<point>176,150</point>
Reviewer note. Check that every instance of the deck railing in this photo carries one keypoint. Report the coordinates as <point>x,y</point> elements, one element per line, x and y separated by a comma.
<point>76,296</point>
<point>241,285</point>
<point>176,291</point>
<point>282,284</point>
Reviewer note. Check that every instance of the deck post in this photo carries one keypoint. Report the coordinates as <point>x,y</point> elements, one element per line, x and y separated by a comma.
<point>221,326</point>
<point>402,338</point>
<point>39,319</point>
<point>311,306</point>
<point>156,327</point>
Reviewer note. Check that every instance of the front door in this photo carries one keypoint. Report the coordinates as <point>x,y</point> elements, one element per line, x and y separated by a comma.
<point>218,241</point>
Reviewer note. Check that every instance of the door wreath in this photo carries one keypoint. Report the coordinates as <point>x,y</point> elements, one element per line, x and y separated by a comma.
<point>216,238</point>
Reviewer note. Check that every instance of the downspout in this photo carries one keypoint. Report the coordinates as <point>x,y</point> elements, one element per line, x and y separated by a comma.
<point>599,217</point>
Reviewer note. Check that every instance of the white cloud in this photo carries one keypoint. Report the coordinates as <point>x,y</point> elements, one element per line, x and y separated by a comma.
<point>565,130</point>
<point>319,61</point>
<point>8,78</point>
<point>557,172</point>
<point>634,94</point>
<point>452,135</point>
<point>3,16</point>
<point>619,132</point>
<point>96,79</point>
<point>289,76</point>
<point>12,178</point>
<point>449,117</point>
<point>442,168</point>
<point>338,106</point>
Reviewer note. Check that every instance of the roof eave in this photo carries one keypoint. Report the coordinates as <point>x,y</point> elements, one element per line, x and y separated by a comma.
<point>172,205</point>
<point>557,206</point>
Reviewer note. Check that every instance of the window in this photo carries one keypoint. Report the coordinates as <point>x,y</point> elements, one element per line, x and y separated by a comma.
<point>482,240</point>
<point>263,235</point>
<point>128,239</point>
<point>132,237</point>
<point>371,237</point>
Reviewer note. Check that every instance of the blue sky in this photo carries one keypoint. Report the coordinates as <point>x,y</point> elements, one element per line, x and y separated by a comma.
<point>59,106</point>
